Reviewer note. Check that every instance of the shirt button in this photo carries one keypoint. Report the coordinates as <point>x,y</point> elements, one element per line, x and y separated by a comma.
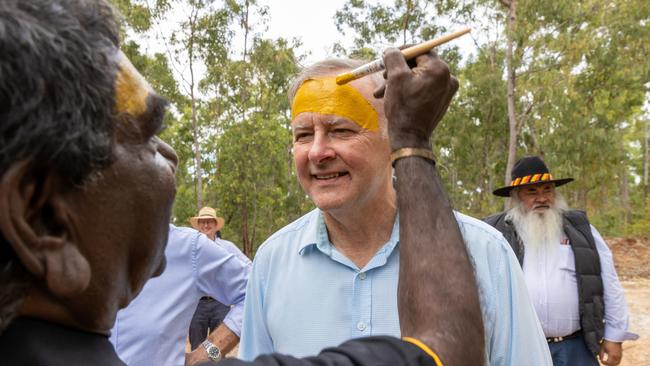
<point>361,326</point>
<point>362,275</point>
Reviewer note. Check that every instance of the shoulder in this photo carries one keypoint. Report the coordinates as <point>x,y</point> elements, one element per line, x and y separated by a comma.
<point>228,245</point>
<point>233,249</point>
<point>577,216</point>
<point>291,236</point>
<point>471,225</point>
<point>481,238</point>
<point>180,233</point>
<point>496,218</point>
<point>181,240</point>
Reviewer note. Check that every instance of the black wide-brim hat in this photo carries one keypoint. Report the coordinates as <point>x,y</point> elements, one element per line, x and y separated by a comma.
<point>527,171</point>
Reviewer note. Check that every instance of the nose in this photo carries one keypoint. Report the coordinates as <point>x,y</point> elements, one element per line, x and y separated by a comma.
<point>541,197</point>
<point>321,150</point>
<point>169,153</point>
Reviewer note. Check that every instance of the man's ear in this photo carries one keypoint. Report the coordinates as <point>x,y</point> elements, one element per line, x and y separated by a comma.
<point>35,220</point>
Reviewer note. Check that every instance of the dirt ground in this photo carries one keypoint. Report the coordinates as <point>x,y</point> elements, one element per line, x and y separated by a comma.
<point>632,260</point>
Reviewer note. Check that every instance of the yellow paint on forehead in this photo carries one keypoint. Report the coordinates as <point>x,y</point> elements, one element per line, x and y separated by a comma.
<point>324,96</point>
<point>131,90</point>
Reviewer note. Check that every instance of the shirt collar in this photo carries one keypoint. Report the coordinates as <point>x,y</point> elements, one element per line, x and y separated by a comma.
<point>310,234</point>
<point>316,237</point>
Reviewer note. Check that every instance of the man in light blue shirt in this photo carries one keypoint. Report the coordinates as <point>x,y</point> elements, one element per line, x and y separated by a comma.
<point>209,313</point>
<point>332,275</point>
<point>153,328</point>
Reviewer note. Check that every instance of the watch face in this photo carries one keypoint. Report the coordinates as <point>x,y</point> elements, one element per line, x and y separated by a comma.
<point>213,352</point>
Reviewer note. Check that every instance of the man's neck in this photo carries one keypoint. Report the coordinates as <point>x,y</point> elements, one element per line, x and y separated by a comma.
<point>41,305</point>
<point>359,233</point>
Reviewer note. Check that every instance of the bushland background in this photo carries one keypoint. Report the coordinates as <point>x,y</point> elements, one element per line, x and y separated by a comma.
<point>568,80</point>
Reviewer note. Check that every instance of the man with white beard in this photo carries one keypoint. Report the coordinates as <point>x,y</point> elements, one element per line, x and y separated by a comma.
<point>569,270</point>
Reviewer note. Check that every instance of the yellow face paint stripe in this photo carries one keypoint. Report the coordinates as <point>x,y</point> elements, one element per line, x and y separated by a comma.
<point>131,90</point>
<point>324,96</point>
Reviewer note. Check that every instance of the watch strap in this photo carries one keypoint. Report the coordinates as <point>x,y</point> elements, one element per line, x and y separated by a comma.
<point>214,353</point>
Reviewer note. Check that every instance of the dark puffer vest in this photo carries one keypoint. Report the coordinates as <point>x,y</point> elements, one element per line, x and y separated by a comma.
<point>587,261</point>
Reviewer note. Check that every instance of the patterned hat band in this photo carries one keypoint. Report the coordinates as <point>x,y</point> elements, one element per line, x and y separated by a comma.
<point>532,179</point>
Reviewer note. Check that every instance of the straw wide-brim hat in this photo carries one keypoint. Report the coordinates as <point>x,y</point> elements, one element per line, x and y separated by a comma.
<point>527,171</point>
<point>207,213</point>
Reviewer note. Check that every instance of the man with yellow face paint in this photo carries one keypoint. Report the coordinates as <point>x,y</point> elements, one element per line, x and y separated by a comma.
<point>333,274</point>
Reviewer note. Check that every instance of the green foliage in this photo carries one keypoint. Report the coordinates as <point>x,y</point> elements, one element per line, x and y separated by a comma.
<point>256,186</point>
<point>582,78</point>
<point>135,14</point>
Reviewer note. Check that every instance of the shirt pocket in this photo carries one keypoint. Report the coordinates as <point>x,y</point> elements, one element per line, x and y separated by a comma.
<point>566,262</point>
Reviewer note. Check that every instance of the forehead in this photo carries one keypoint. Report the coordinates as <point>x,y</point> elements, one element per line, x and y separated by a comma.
<point>354,101</point>
<point>131,89</point>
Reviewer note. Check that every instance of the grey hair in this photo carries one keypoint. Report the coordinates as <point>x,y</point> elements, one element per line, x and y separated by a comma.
<point>328,67</point>
<point>513,200</point>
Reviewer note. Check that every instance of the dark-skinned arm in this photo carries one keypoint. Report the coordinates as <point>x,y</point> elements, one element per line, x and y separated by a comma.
<point>437,293</point>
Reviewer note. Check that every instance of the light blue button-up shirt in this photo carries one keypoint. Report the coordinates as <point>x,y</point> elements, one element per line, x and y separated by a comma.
<point>153,328</point>
<point>304,295</point>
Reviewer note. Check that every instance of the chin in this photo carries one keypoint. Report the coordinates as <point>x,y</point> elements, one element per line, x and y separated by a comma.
<point>327,203</point>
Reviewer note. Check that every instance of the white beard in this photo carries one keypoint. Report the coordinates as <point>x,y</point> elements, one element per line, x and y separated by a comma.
<point>541,232</point>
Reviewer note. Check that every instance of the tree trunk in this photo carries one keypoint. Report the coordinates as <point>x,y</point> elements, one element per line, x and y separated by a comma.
<point>512,113</point>
<point>246,29</point>
<point>195,124</point>
<point>245,241</point>
<point>407,18</point>
<point>646,159</point>
<point>625,197</point>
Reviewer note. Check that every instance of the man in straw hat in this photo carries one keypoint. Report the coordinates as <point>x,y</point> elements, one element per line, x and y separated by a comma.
<point>208,222</point>
<point>343,258</point>
<point>210,312</point>
<point>568,268</point>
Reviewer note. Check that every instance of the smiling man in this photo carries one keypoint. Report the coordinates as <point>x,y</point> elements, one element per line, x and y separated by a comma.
<point>568,268</point>
<point>333,274</point>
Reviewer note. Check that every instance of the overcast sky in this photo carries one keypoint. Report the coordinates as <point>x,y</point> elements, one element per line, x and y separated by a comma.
<point>313,22</point>
<point>310,20</point>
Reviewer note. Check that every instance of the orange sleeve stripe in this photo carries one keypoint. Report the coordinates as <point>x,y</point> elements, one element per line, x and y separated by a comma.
<point>425,348</point>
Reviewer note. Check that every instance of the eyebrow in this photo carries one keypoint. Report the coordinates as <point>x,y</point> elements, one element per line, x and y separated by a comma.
<point>337,120</point>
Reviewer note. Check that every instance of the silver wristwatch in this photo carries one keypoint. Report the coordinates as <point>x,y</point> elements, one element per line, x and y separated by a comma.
<point>214,353</point>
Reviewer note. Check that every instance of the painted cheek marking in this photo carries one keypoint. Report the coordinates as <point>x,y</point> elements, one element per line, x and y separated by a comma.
<point>324,96</point>
<point>131,90</point>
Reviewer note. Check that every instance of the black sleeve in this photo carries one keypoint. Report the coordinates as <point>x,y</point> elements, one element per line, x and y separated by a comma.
<point>370,351</point>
